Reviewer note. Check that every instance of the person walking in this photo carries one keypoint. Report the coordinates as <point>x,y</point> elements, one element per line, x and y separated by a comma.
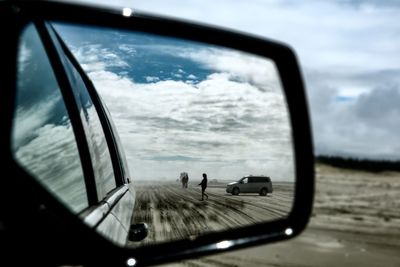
<point>203,186</point>
<point>186,180</point>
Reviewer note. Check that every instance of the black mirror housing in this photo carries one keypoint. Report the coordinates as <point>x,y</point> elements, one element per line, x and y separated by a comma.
<point>54,230</point>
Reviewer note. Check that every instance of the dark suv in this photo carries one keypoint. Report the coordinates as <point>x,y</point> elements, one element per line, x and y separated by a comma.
<point>251,184</point>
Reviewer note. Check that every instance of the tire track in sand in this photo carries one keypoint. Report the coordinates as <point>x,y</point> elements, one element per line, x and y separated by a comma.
<point>175,213</point>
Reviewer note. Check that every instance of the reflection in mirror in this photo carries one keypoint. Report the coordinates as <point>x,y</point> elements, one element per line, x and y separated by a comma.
<point>205,130</point>
<point>43,140</point>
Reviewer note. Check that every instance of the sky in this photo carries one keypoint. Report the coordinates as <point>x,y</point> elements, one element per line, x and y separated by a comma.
<point>350,57</point>
<point>180,106</point>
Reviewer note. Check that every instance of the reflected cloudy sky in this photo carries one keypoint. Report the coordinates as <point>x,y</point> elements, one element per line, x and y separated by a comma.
<point>350,54</point>
<point>43,141</point>
<point>181,106</point>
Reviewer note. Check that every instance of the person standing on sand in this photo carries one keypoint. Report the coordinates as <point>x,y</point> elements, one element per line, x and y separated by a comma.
<point>203,186</point>
<point>184,179</point>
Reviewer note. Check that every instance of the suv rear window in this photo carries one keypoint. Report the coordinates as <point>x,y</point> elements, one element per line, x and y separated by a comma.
<point>259,180</point>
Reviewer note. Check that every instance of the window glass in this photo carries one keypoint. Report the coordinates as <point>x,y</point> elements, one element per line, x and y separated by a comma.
<point>99,153</point>
<point>43,141</point>
<point>120,151</point>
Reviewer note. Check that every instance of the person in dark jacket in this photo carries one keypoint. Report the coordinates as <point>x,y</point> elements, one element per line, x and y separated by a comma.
<point>203,186</point>
<point>184,179</point>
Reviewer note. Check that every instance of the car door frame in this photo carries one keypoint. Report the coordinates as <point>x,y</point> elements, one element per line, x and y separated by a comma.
<point>244,187</point>
<point>101,213</point>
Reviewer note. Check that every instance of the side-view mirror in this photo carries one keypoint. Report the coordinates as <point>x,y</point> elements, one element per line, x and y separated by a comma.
<point>122,132</point>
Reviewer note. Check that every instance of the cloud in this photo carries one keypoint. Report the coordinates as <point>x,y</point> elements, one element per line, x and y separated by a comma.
<point>248,68</point>
<point>98,58</point>
<point>325,34</point>
<point>362,127</point>
<point>128,48</point>
<point>31,118</point>
<point>347,48</point>
<point>223,124</point>
<point>52,156</point>
<point>24,56</point>
<point>150,79</point>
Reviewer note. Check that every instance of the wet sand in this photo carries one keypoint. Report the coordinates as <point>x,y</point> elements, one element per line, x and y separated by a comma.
<point>173,212</point>
<point>355,222</point>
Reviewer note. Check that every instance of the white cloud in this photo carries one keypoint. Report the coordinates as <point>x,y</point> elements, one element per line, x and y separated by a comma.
<point>348,49</point>
<point>128,48</point>
<point>150,79</point>
<point>259,71</point>
<point>97,58</point>
<point>52,157</point>
<point>32,118</point>
<point>345,47</point>
<point>192,77</point>
<point>221,125</point>
<point>324,33</point>
<point>24,56</point>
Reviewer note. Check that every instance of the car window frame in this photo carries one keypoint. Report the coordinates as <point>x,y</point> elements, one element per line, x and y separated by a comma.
<point>55,47</point>
<point>64,98</point>
<point>71,105</point>
<point>98,209</point>
<point>121,176</point>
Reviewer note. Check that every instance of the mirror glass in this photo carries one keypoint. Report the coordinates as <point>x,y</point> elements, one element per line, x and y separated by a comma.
<point>205,130</point>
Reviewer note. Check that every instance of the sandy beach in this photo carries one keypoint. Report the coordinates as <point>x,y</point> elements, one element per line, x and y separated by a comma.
<point>355,222</point>
<point>173,212</point>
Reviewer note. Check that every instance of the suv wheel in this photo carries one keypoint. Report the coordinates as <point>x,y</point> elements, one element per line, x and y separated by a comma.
<point>263,192</point>
<point>235,191</point>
